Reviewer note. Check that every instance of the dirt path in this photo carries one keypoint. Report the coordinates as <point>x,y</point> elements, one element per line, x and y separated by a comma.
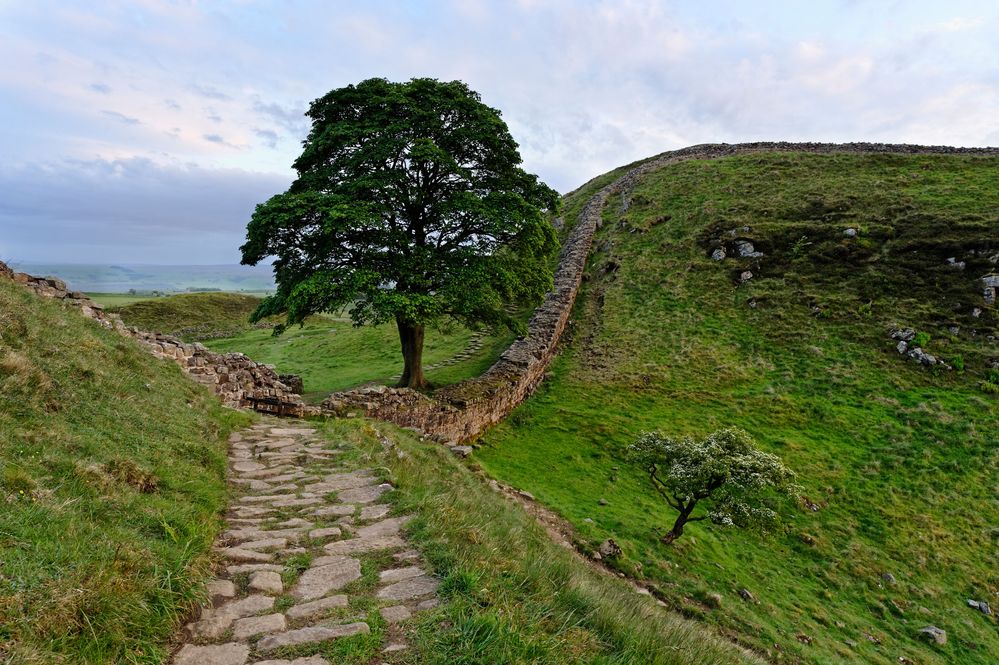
<point>312,556</point>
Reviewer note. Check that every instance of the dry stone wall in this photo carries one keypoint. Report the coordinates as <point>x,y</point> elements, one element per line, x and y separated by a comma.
<point>463,411</point>
<point>237,380</point>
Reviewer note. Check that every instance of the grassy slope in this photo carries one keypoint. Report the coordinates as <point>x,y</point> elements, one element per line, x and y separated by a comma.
<point>96,563</point>
<point>901,460</point>
<point>192,316</point>
<point>510,594</point>
<point>331,354</point>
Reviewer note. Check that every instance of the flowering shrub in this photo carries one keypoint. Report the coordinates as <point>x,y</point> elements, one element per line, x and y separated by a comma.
<point>740,484</point>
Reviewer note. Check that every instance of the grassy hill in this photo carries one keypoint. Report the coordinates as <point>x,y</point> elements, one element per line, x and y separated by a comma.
<point>898,460</point>
<point>111,481</point>
<point>192,316</point>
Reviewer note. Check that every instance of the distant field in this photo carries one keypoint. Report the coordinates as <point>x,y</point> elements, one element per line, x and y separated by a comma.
<point>145,278</point>
<point>192,316</point>
<point>116,300</point>
<point>330,354</point>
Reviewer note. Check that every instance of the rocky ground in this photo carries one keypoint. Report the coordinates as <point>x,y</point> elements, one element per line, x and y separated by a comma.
<point>313,558</point>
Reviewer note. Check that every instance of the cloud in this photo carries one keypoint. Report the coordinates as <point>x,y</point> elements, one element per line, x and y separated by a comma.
<point>209,92</point>
<point>292,119</point>
<point>136,209</point>
<point>102,88</point>
<point>269,136</point>
<point>122,118</point>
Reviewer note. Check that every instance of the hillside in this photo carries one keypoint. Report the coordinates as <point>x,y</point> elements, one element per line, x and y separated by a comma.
<point>111,477</point>
<point>770,292</point>
<point>192,316</point>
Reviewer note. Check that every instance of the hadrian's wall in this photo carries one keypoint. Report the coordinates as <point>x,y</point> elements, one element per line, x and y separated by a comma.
<point>238,381</point>
<point>461,412</point>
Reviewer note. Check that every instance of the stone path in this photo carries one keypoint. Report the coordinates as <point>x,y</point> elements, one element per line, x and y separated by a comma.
<point>475,343</point>
<point>312,556</point>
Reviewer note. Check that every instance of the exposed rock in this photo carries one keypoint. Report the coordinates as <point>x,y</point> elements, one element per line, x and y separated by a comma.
<point>904,334</point>
<point>364,494</point>
<point>952,262</point>
<point>375,512</point>
<point>718,254</point>
<point>850,233</point>
<point>746,250</point>
<point>609,549</point>
<point>980,605</point>
<point>311,635</point>
<point>220,590</point>
<point>746,595</point>
<point>745,275</point>
<point>888,577</point>
<point>713,600</point>
<point>398,574</point>
<point>933,634</point>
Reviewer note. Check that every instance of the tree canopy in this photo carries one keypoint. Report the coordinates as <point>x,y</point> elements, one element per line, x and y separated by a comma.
<point>409,205</point>
<point>738,481</point>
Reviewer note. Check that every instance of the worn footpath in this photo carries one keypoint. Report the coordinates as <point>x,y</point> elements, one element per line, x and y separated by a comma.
<point>313,560</point>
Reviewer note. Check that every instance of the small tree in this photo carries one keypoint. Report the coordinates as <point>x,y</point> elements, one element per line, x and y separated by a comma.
<point>738,481</point>
<point>410,205</point>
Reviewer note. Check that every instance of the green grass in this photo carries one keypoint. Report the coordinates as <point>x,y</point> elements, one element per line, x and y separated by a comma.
<point>192,316</point>
<point>117,300</point>
<point>111,482</point>
<point>331,354</point>
<point>901,460</point>
<point>509,594</point>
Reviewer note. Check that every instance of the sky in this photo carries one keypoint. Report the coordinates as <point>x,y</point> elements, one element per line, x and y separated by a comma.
<point>147,131</point>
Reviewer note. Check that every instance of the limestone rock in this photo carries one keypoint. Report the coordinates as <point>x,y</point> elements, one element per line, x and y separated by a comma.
<point>399,574</point>
<point>395,614</point>
<point>360,545</point>
<point>311,635</point>
<point>933,634</point>
<point>232,653</point>
<point>305,610</point>
<point>220,590</point>
<point>413,587</point>
<point>250,626</point>
<point>319,580</point>
<point>267,581</point>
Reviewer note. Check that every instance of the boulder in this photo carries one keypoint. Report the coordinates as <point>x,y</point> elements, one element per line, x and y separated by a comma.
<point>933,634</point>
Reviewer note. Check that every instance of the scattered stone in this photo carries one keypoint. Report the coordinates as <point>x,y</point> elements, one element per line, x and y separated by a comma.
<point>395,614</point>
<point>746,275</point>
<point>850,643</point>
<point>888,577</point>
<point>747,595</point>
<point>713,600</point>
<point>311,635</point>
<point>933,634</point>
<point>525,494</point>
<point>232,653</point>
<point>980,605</point>
<point>397,646</point>
<point>267,581</point>
<point>746,250</point>
<point>329,576</point>
<point>850,233</point>
<point>462,451</point>
<point>305,610</point>
<point>602,502</point>
<point>250,626</point>
<point>428,604</point>
<point>413,587</point>
<point>609,549</point>
<point>952,262</point>
<point>718,254</point>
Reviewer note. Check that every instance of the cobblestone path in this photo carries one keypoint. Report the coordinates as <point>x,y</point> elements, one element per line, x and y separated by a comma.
<point>312,556</point>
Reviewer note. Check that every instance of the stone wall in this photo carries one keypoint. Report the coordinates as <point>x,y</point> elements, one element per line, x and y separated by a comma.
<point>463,411</point>
<point>237,380</point>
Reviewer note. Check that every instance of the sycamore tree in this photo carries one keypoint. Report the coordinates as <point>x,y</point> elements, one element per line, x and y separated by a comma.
<point>410,206</point>
<point>735,483</point>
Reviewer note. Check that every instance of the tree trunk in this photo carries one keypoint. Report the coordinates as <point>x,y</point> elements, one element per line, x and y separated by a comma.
<point>677,529</point>
<point>411,337</point>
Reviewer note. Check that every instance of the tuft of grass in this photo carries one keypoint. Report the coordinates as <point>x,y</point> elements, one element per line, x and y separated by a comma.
<point>898,461</point>
<point>510,594</point>
<point>111,483</point>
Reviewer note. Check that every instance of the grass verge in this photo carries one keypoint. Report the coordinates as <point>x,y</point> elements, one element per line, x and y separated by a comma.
<point>112,477</point>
